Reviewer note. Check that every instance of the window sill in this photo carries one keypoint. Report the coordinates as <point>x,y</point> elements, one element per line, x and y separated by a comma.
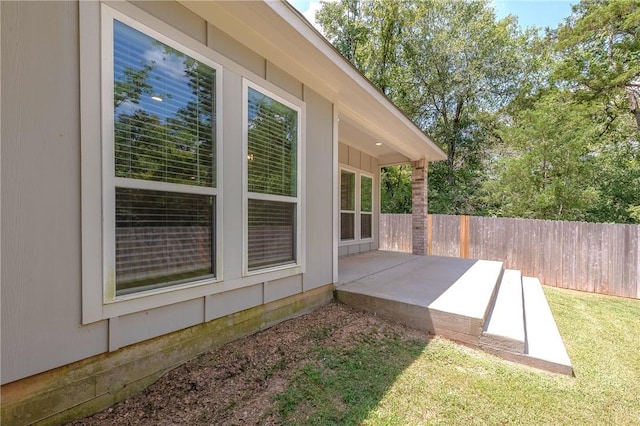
<point>354,242</point>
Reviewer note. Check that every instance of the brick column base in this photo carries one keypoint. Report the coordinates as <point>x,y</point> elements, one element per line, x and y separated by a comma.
<point>419,206</point>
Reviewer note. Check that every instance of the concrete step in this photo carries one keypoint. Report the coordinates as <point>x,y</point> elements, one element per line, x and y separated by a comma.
<point>504,329</point>
<point>521,327</point>
<point>544,346</point>
<point>461,311</point>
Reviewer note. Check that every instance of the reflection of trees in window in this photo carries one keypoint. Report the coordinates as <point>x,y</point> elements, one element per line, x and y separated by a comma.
<point>164,132</point>
<point>272,144</point>
<point>164,109</point>
<point>347,205</point>
<point>272,150</point>
<point>366,207</point>
<point>366,194</point>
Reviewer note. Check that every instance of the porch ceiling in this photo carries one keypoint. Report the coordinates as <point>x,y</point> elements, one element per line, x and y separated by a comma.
<point>281,35</point>
<point>356,135</point>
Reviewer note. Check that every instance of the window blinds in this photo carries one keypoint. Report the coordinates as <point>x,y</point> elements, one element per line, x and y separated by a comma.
<point>164,127</point>
<point>272,172</point>
<point>164,104</point>
<point>161,238</point>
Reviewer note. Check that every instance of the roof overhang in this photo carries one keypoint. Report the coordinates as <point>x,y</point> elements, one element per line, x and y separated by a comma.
<point>281,35</point>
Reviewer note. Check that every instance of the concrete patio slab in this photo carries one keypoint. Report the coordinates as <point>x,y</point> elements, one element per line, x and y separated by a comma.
<point>435,293</point>
<point>355,267</point>
<point>416,280</point>
<point>470,301</point>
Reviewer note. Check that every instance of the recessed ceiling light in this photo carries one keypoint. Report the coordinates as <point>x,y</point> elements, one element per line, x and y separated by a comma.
<point>378,143</point>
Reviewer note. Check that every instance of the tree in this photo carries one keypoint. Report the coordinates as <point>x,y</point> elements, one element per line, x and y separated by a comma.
<point>600,47</point>
<point>448,65</point>
<point>367,33</point>
<point>550,173</point>
<point>395,183</point>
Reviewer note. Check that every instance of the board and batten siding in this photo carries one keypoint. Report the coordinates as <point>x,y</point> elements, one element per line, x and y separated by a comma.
<point>41,192</point>
<point>354,158</point>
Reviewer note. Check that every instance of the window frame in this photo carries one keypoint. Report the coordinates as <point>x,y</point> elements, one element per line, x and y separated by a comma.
<point>358,208</point>
<point>99,300</point>
<point>355,204</point>
<point>299,106</point>
<point>362,212</point>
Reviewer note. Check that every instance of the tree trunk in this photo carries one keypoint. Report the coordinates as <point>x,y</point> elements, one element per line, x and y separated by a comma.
<point>634,94</point>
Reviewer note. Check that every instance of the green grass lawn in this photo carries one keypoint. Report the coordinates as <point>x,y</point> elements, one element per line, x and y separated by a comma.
<point>394,380</point>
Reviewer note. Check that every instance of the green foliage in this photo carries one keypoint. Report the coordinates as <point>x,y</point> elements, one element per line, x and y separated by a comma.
<point>367,33</point>
<point>448,65</point>
<point>552,175</point>
<point>366,194</point>
<point>570,148</point>
<point>395,183</point>
<point>541,126</point>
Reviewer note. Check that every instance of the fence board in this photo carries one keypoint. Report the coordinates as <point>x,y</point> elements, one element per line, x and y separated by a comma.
<point>393,232</point>
<point>593,257</point>
<point>637,274</point>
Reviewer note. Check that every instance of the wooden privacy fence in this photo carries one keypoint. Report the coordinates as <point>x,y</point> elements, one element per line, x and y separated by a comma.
<point>594,257</point>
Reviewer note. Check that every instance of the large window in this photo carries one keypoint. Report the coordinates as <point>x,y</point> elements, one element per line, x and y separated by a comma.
<point>159,163</point>
<point>356,206</point>
<point>273,137</point>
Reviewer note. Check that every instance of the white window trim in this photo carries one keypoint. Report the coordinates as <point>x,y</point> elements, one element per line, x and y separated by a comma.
<point>355,205</point>
<point>364,174</point>
<point>292,102</point>
<point>98,181</point>
<point>357,212</point>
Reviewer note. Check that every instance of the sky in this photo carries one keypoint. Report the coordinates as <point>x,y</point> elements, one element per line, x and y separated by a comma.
<point>540,13</point>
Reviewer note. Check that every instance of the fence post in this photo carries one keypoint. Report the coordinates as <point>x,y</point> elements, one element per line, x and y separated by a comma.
<point>464,236</point>
<point>429,233</point>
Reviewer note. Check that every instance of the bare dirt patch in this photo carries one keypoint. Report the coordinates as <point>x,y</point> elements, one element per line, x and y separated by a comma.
<point>237,383</point>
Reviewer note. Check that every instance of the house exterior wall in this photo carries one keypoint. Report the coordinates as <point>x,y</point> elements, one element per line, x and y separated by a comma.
<point>353,159</point>
<point>41,194</point>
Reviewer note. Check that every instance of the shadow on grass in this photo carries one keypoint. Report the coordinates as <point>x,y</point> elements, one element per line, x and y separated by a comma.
<point>340,384</point>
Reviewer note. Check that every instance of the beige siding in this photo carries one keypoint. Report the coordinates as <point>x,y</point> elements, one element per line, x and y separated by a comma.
<point>177,16</point>
<point>232,180</point>
<point>365,162</point>
<point>156,322</point>
<point>237,52</point>
<point>41,214</point>
<point>319,191</point>
<point>343,153</point>
<point>353,158</point>
<point>238,300</point>
<point>283,80</point>
<point>41,191</point>
<point>279,289</point>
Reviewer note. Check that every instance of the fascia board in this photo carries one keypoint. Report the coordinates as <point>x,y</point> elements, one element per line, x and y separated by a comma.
<point>311,35</point>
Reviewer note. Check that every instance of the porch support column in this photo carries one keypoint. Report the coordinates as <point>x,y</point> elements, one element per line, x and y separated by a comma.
<point>419,206</point>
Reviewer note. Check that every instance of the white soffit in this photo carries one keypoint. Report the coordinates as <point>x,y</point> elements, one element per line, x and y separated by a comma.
<point>280,34</point>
